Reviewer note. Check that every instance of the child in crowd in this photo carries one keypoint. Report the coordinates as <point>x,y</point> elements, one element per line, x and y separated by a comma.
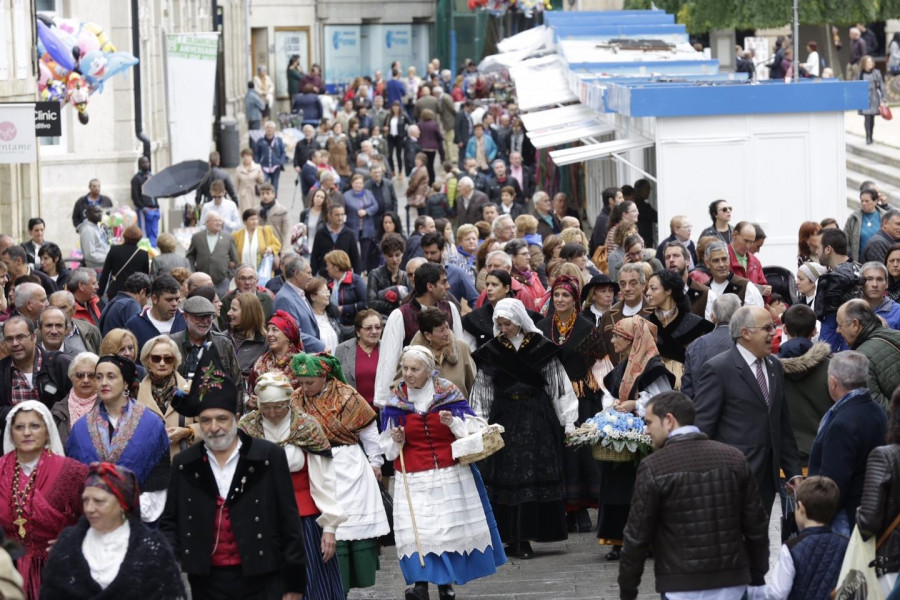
<point>438,206</point>
<point>809,564</point>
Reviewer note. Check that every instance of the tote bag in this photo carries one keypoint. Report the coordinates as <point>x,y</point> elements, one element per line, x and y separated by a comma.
<point>857,580</point>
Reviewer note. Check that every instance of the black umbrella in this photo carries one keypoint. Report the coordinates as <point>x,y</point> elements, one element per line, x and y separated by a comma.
<point>177,179</point>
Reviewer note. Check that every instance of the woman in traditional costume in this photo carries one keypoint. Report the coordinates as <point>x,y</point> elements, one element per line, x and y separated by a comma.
<point>347,420</point>
<point>122,431</point>
<point>630,385</point>
<point>110,554</point>
<point>39,487</point>
<point>522,386</point>
<point>283,338</point>
<point>457,533</point>
<point>581,352</point>
<point>312,473</point>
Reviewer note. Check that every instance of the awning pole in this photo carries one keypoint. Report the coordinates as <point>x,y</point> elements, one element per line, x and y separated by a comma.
<point>634,166</point>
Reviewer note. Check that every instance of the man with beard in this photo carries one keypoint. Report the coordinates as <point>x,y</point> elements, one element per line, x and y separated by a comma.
<point>676,258</point>
<point>230,515</point>
<point>199,339</point>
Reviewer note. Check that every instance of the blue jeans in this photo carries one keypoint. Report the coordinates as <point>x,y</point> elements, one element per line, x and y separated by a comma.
<point>148,220</point>
<point>273,179</point>
<point>840,523</point>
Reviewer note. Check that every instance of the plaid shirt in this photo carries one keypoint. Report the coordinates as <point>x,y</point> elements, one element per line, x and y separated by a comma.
<point>21,389</point>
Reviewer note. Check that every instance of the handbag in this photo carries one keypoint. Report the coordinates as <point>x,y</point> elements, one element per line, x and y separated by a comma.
<point>857,580</point>
<point>885,111</point>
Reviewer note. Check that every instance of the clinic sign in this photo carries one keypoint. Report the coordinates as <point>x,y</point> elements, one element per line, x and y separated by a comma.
<point>47,121</point>
<point>18,143</point>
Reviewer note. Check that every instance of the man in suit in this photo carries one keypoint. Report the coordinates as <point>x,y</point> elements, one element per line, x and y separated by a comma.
<point>740,402</point>
<point>469,202</point>
<point>292,299</point>
<point>849,431</point>
<point>411,147</point>
<point>215,253</point>
<point>715,342</point>
<point>462,129</point>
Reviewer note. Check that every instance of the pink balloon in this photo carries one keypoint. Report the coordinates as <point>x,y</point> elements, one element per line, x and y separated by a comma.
<point>87,42</point>
<point>45,76</point>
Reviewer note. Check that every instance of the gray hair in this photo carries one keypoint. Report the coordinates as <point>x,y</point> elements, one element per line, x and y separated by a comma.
<point>872,264</point>
<point>724,307</point>
<point>539,195</point>
<point>495,226</point>
<point>634,268</point>
<point>742,318</point>
<point>80,358</point>
<point>891,214</point>
<point>25,293</point>
<point>79,276</point>
<point>715,247</point>
<point>243,266</point>
<point>166,341</point>
<point>859,310</point>
<point>70,298</point>
<point>850,368</point>
<point>502,255</point>
<point>465,182</point>
<point>294,265</point>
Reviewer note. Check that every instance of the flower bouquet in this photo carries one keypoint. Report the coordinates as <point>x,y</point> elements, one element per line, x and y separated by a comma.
<point>614,436</point>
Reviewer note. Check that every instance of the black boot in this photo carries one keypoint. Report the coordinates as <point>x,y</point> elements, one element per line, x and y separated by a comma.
<point>445,592</point>
<point>525,551</point>
<point>418,591</point>
<point>584,521</point>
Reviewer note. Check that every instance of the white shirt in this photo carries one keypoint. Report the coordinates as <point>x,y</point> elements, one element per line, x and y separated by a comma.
<point>751,360</point>
<point>752,297</point>
<point>327,334</point>
<point>629,311</point>
<point>104,552</point>
<point>163,327</point>
<point>779,587</point>
<point>228,210</point>
<point>812,65</point>
<point>251,248</point>
<point>224,474</point>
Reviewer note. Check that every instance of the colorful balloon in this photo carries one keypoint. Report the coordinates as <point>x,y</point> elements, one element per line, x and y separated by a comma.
<point>55,47</point>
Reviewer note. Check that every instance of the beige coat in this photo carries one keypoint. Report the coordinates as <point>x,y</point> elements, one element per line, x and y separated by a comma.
<point>145,397</point>
<point>455,364</point>
<point>247,180</point>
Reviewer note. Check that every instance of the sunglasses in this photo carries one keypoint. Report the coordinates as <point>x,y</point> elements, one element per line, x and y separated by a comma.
<point>725,209</point>
<point>156,359</point>
<point>84,375</point>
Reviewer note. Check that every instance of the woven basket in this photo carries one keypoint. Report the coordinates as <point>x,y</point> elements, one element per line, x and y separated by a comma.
<point>604,454</point>
<point>492,441</point>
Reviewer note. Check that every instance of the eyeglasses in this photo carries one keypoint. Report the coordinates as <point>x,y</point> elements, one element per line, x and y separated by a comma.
<point>247,278</point>
<point>30,427</point>
<point>768,327</point>
<point>167,358</point>
<point>84,375</point>
<point>725,209</point>
<point>18,339</point>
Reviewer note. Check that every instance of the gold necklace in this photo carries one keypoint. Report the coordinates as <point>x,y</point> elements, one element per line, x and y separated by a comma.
<point>564,328</point>
<point>21,497</point>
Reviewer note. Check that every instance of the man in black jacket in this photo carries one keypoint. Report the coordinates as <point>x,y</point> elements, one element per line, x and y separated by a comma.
<point>230,515</point>
<point>215,174</point>
<point>92,198</point>
<point>463,129</point>
<point>147,208</point>
<point>29,372</point>
<point>715,534</point>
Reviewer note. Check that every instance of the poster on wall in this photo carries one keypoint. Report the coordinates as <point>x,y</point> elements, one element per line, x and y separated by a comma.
<point>397,43</point>
<point>17,139</point>
<point>343,55</point>
<point>190,65</point>
<point>288,42</point>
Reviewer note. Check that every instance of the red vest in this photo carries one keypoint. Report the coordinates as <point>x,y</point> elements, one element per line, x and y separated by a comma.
<point>410,312</point>
<point>427,443</point>
<point>225,548</point>
<point>305,502</point>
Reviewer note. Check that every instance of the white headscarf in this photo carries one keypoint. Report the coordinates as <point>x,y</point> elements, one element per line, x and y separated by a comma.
<point>514,310</point>
<point>53,441</point>
<point>273,387</point>
<point>423,354</point>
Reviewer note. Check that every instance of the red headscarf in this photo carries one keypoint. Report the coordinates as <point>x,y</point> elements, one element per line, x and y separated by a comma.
<point>118,481</point>
<point>288,326</point>
<point>570,284</point>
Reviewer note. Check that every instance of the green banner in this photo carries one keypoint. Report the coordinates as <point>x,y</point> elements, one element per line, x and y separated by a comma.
<point>192,47</point>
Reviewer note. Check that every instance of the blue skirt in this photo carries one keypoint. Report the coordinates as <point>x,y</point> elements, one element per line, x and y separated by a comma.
<point>323,580</point>
<point>453,567</point>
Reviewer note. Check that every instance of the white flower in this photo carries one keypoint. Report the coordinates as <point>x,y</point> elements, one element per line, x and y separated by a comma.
<point>629,421</point>
<point>607,429</point>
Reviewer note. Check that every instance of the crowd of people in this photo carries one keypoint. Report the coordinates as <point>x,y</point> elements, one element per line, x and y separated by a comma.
<point>236,413</point>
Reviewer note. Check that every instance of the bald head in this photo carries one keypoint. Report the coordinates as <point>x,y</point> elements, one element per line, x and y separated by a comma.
<point>31,300</point>
<point>197,280</point>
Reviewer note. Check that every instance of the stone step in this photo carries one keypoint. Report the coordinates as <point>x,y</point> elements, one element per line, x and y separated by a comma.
<point>880,153</point>
<point>883,173</point>
<point>854,179</point>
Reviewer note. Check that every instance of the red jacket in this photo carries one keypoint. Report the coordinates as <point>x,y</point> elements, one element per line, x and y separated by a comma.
<point>89,312</point>
<point>754,271</point>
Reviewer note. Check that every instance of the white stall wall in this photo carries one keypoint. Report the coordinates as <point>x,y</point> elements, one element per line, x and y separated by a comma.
<point>777,170</point>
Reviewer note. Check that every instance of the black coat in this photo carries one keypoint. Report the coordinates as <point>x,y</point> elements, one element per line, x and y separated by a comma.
<point>148,572</point>
<point>119,266</point>
<point>411,147</point>
<point>731,409</point>
<point>262,507</point>
<point>380,284</point>
<point>673,339</point>
<point>322,245</point>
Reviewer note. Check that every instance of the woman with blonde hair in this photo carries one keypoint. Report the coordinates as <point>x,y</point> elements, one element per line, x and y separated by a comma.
<point>168,259</point>
<point>158,388</point>
<point>122,342</point>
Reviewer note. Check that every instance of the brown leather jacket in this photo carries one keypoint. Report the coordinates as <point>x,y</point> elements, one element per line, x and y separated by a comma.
<point>716,530</point>
<point>880,504</point>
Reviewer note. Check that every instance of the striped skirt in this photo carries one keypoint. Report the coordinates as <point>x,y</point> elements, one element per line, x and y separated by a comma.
<point>323,580</point>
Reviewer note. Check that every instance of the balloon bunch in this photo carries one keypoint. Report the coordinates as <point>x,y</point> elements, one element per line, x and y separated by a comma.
<point>120,218</point>
<point>76,59</point>
<point>144,244</point>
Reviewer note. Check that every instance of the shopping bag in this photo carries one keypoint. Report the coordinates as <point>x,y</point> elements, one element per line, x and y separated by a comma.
<point>857,580</point>
<point>265,269</point>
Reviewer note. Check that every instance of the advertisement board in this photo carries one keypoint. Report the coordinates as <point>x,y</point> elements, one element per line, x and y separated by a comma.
<point>343,55</point>
<point>18,143</point>
<point>190,66</point>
